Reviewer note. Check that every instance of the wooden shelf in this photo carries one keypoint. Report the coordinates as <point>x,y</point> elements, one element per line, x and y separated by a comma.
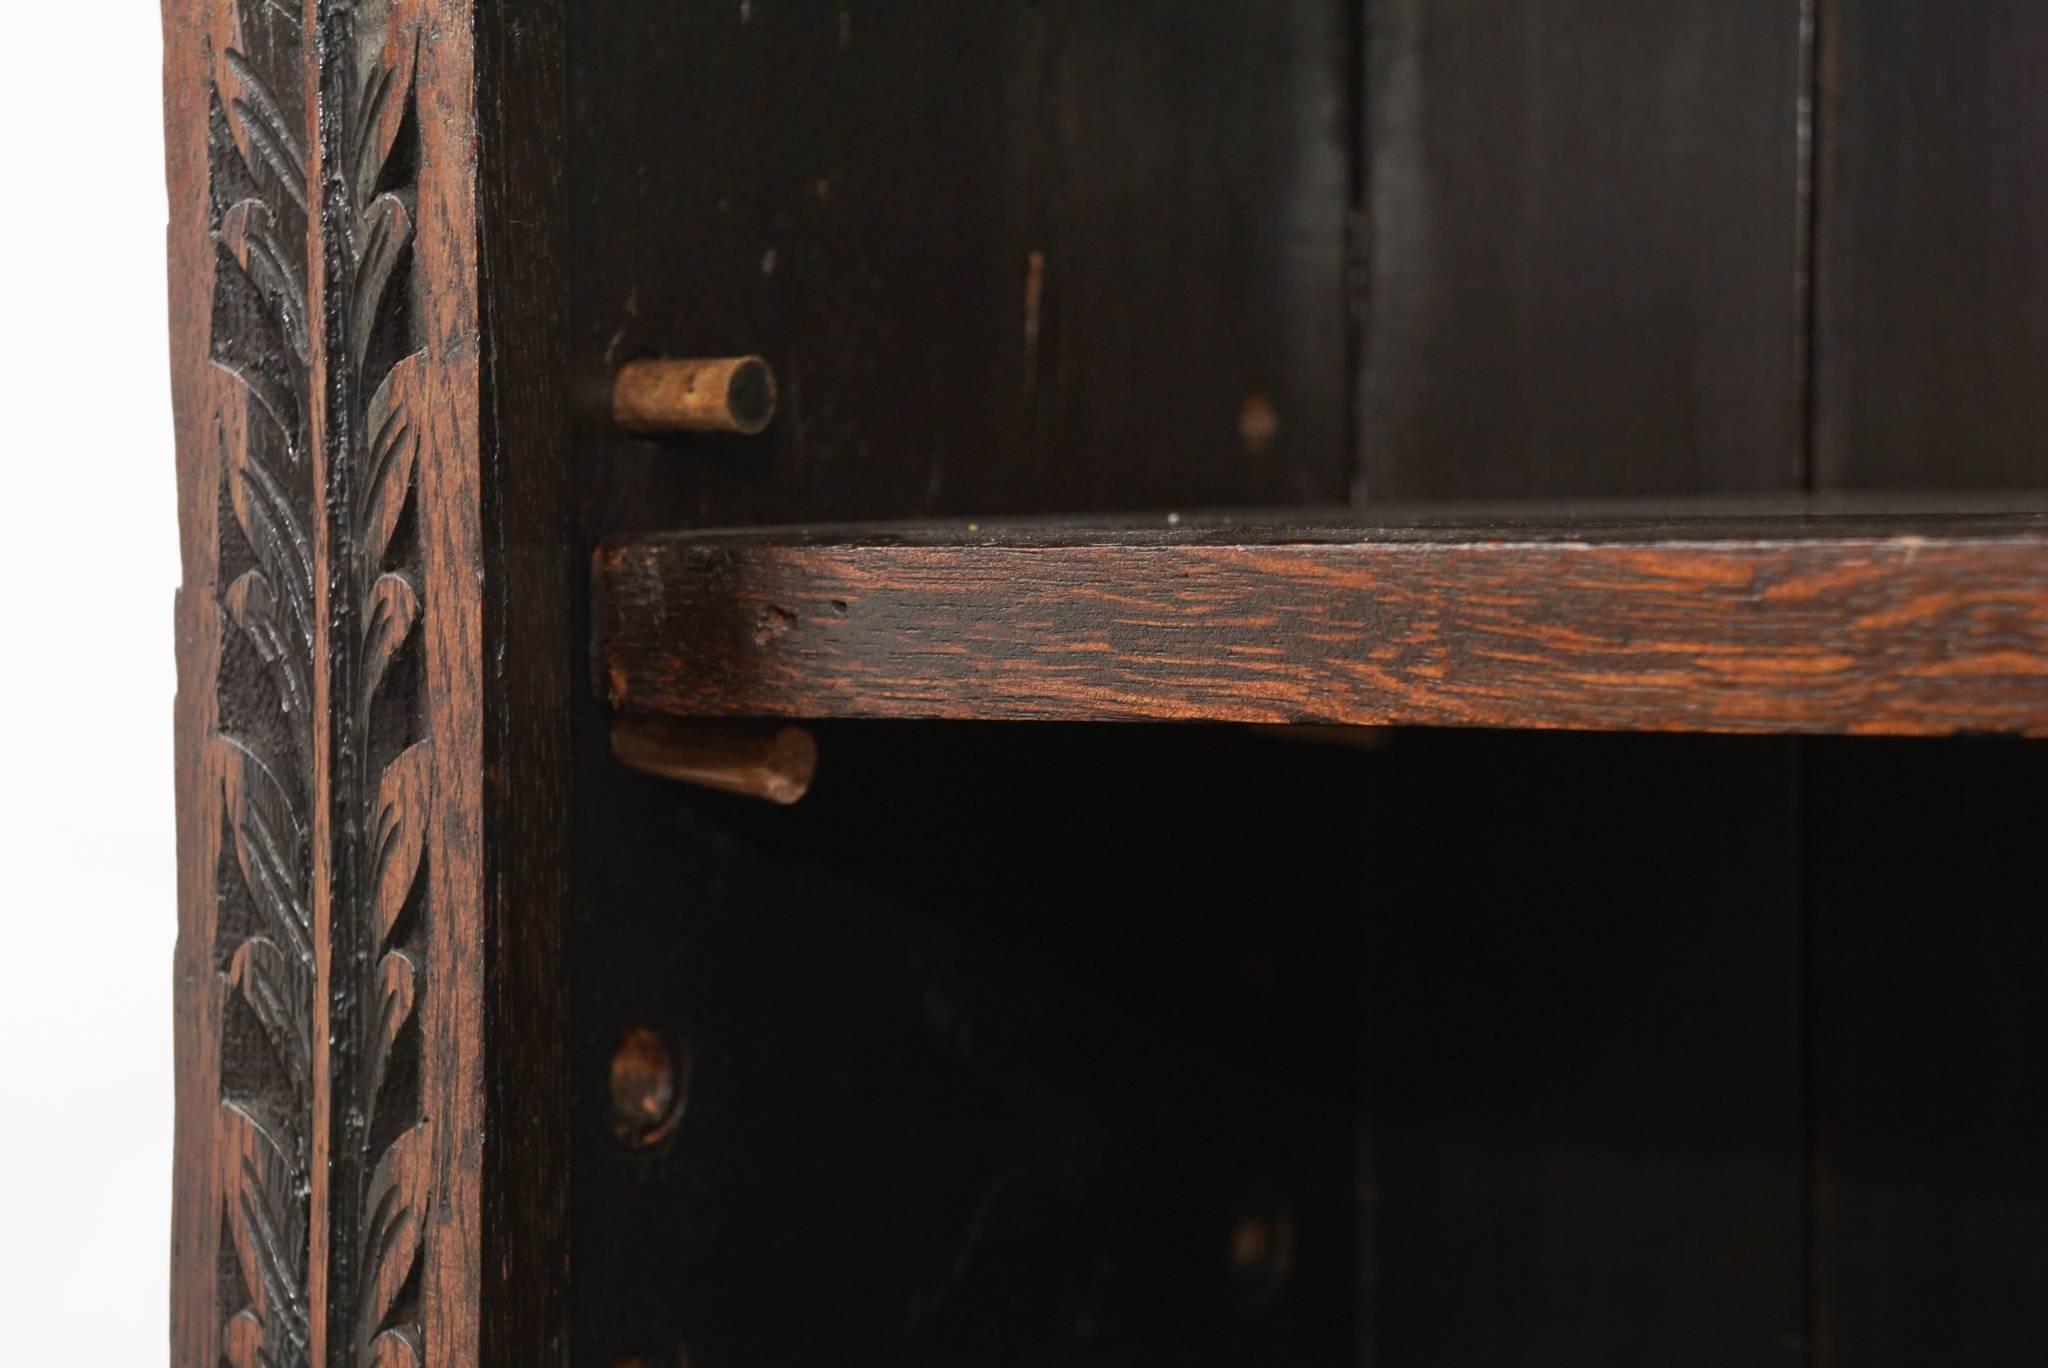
<point>1796,620</point>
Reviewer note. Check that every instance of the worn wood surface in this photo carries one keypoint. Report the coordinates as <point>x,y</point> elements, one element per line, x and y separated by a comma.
<point>1700,627</point>
<point>1586,248</point>
<point>1021,258</point>
<point>1931,274</point>
<point>994,253</point>
<point>372,636</point>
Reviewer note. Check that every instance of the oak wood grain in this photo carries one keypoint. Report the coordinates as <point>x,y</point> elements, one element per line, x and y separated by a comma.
<point>200,992</point>
<point>1795,626</point>
<point>372,718</point>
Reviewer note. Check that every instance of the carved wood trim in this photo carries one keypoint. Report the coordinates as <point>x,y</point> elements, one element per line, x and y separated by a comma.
<point>334,908</point>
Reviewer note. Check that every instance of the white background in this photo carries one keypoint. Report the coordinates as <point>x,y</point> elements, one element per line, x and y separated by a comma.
<point>88,564</point>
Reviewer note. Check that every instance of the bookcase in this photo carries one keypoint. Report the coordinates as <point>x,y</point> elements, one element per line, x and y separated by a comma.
<point>1397,652</point>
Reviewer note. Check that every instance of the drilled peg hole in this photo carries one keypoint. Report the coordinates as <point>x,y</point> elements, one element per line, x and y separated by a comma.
<point>1262,1255</point>
<point>650,1087</point>
<point>750,395</point>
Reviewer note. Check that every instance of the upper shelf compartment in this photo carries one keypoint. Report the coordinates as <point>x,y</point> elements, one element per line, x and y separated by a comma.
<point>1779,622</point>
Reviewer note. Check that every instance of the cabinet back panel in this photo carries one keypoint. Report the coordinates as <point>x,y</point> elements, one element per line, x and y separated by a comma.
<point>1601,1050</point>
<point>1002,1053</point>
<point>1586,224</point>
<point>1016,257</point>
<point>1583,1081</point>
<point>1928,878</point>
<point>1933,260</point>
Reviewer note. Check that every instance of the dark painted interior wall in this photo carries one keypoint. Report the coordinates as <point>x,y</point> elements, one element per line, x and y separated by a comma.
<point>1029,1046</point>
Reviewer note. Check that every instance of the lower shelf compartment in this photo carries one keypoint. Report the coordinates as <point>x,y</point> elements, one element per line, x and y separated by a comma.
<point>1904,622</point>
<point>1018,1045</point>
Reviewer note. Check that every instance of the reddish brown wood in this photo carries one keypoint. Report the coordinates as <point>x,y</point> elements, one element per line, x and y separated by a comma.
<point>372,696</point>
<point>196,1206</point>
<point>1788,626</point>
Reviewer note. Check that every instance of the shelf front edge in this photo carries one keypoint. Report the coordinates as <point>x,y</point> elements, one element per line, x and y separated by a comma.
<point>1868,634</point>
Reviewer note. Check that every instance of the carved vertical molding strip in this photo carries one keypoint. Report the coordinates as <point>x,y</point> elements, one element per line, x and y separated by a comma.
<point>260,351</point>
<point>317,757</point>
<point>378,765</point>
<point>373,635</point>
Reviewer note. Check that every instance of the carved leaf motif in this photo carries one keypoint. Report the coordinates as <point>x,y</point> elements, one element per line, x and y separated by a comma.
<point>275,531</point>
<point>384,102</point>
<point>267,832</point>
<point>253,607</point>
<point>386,233</point>
<point>394,1209</point>
<point>392,422</point>
<point>267,412</point>
<point>397,990</point>
<point>259,394</point>
<point>245,394</point>
<point>401,832</point>
<point>267,1219</point>
<point>396,1348</point>
<point>394,608</point>
<point>248,233</point>
<point>263,134</point>
<point>243,1343</point>
<point>241,226</point>
<point>386,453</point>
<point>276,991</point>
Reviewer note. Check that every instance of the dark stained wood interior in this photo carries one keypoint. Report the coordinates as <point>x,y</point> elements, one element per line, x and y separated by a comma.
<point>1924,864</point>
<point>1083,238</point>
<point>1585,225</point>
<point>1932,301</point>
<point>1604,1047</point>
<point>1930,337</point>
<point>977,1103</point>
<point>1521,1035</point>
<point>1582,1002</point>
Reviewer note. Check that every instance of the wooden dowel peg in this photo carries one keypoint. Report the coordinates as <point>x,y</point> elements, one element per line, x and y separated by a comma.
<point>771,761</point>
<point>729,394</point>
